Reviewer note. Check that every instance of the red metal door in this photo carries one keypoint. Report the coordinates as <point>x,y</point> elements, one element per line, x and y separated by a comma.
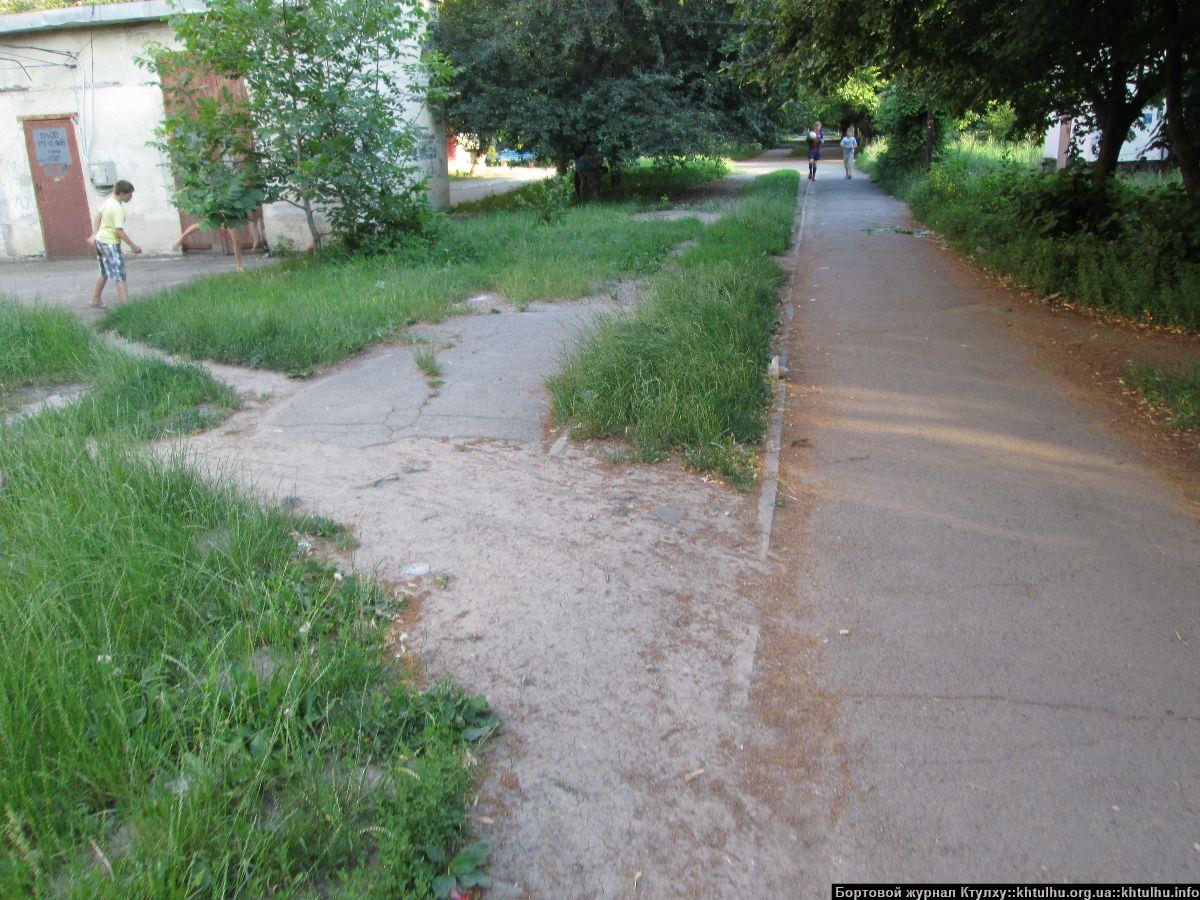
<point>57,171</point>
<point>207,86</point>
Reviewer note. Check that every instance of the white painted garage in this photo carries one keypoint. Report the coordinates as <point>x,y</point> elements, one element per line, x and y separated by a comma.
<point>77,113</point>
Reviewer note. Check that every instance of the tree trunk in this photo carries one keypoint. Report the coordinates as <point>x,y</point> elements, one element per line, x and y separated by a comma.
<point>930,124</point>
<point>310,217</point>
<point>1183,142</point>
<point>1114,116</point>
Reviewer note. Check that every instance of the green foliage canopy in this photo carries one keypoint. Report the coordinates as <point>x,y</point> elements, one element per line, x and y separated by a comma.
<point>1102,60</point>
<point>853,101</point>
<point>615,78</point>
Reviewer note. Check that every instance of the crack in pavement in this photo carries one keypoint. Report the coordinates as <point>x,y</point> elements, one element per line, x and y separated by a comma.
<point>1174,718</point>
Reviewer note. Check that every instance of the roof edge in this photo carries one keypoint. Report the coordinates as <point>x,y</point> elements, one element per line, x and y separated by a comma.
<point>96,14</point>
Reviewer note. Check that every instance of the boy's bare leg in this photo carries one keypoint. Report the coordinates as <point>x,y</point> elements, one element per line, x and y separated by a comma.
<point>122,296</point>
<point>100,282</point>
<point>237,250</point>
<point>182,237</point>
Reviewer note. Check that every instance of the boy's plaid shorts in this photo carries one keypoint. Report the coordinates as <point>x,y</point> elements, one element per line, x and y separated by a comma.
<point>112,261</point>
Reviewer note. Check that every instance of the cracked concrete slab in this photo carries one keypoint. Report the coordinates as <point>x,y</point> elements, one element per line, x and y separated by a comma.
<point>494,370</point>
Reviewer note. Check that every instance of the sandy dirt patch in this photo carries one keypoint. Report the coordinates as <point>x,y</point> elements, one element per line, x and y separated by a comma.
<point>608,612</point>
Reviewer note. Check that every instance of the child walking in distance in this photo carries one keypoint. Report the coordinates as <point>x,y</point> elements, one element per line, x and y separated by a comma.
<point>849,145</point>
<point>815,138</point>
<point>107,234</point>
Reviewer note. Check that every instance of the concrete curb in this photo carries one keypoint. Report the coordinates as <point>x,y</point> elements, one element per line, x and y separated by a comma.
<point>770,469</point>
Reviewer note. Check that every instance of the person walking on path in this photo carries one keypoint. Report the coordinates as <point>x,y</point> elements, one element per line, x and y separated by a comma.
<point>107,234</point>
<point>849,145</point>
<point>815,139</point>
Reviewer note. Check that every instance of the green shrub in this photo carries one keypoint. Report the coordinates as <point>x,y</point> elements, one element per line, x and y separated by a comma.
<point>549,198</point>
<point>1127,246</point>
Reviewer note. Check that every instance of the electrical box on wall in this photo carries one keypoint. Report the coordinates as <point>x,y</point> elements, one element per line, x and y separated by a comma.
<point>103,174</point>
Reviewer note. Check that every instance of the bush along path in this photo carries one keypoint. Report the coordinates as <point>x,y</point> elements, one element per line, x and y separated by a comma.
<point>687,370</point>
<point>195,705</point>
<point>1129,246</point>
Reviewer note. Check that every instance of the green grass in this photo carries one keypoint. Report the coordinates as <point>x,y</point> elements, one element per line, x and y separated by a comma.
<point>427,361</point>
<point>1175,393</point>
<point>139,397</point>
<point>45,346</point>
<point>1133,251</point>
<point>306,314</point>
<point>193,707</point>
<point>738,152</point>
<point>687,369</point>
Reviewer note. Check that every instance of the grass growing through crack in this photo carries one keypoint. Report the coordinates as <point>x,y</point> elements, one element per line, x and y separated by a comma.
<point>1175,392</point>
<point>427,361</point>
<point>192,706</point>
<point>306,314</point>
<point>687,370</point>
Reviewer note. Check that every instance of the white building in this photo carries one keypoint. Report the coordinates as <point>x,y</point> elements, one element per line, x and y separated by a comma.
<point>77,113</point>
<point>1063,134</point>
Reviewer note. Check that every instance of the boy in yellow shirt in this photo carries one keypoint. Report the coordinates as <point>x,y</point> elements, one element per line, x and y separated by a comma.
<point>108,232</point>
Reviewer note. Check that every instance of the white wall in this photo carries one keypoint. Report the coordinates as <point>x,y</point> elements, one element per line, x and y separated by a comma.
<point>116,108</point>
<point>1087,145</point>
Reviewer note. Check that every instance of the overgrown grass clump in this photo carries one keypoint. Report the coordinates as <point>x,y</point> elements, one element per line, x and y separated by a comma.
<point>307,314</point>
<point>1175,392</point>
<point>44,346</point>
<point>687,369</point>
<point>651,180</point>
<point>192,706</point>
<point>137,397</point>
<point>1129,247</point>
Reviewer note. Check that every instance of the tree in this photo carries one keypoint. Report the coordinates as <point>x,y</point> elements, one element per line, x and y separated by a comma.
<point>1181,62</point>
<point>610,78</point>
<point>326,82</point>
<point>854,101</point>
<point>1101,60</point>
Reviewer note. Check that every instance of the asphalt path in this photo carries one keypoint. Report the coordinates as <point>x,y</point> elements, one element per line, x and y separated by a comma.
<point>1004,601</point>
<point>68,282</point>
